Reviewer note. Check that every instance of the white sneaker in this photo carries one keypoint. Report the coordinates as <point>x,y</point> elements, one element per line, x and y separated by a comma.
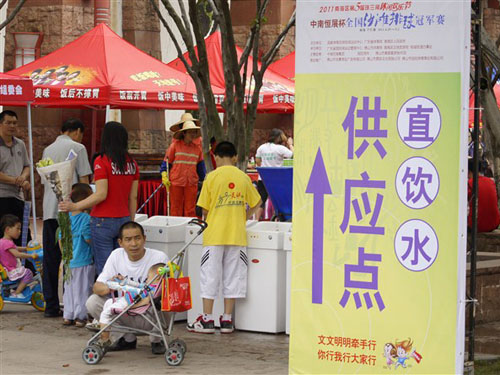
<point>201,326</point>
<point>93,326</point>
<point>19,295</point>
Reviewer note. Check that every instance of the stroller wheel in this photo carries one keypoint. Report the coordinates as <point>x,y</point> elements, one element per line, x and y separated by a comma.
<point>37,301</point>
<point>92,355</point>
<point>174,356</point>
<point>178,343</point>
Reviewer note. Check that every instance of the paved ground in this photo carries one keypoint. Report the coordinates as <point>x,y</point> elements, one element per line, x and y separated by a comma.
<point>32,344</point>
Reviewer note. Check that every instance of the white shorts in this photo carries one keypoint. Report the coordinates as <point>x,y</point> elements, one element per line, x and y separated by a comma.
<point>229,263</point>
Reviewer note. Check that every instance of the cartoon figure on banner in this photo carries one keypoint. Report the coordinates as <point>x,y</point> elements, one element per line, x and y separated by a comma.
<point>400,351</point>
<point>388,350</point>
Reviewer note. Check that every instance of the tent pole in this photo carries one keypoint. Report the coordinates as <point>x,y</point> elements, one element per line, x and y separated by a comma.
<point>477,19</point>
<point>107,113</point>
<point>32,174</point>
<point>94,130</point>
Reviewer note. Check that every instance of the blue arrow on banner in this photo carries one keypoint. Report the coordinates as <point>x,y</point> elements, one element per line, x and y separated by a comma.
<point>318,185</point>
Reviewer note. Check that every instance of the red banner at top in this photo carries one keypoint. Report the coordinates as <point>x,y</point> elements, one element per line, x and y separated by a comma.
<point>15,90</point>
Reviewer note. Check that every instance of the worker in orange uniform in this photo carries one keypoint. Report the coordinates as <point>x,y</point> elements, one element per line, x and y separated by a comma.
<point>186,165</point>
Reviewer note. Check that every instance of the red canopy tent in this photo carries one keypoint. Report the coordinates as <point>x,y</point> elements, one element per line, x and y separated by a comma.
<point>100,68</point>
<point>285,66</point>
<point>18,91</point>
<point>277,94</point>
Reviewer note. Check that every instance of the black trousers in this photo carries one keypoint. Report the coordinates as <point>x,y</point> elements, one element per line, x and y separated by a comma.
<point>51,263</point>
<point>261,188</point>
<point>15,207</point>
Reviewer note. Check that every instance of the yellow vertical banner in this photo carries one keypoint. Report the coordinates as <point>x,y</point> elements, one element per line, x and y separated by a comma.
<point>378,265</point>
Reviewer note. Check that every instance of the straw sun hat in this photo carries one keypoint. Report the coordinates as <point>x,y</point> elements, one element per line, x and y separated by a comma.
<point>187,122</point>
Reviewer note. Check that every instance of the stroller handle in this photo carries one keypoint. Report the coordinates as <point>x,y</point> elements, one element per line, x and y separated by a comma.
<point>202,224</point>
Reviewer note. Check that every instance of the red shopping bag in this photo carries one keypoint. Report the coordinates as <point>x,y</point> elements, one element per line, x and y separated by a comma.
<point>176,293</point>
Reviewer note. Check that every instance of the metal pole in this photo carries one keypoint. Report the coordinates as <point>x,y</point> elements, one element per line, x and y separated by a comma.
<point>151,196</point>
<point>168,193</point>
<point>32,174</point>
<point>94,132</point>
<point>477,21</point>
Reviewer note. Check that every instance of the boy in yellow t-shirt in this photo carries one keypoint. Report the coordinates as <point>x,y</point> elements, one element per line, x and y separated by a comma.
<point>224,198</point>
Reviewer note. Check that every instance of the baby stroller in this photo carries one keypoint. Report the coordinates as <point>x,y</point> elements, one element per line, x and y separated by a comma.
<point>162,326</point>
<point>32,292</point>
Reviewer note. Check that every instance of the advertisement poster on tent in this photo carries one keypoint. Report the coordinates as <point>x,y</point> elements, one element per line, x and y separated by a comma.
<point>378,268</point>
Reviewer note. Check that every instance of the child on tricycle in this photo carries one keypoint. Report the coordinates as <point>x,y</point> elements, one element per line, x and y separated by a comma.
<point>10,256</point>
<point>17,283</point>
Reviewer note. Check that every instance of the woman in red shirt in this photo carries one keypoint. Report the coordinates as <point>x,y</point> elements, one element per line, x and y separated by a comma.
<point>114,202</point>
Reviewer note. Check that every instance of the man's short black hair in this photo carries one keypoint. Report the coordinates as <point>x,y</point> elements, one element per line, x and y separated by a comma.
<point>225,149</point>
<point>7,113</point>
<point>72,124</point>
<point>130,225</point>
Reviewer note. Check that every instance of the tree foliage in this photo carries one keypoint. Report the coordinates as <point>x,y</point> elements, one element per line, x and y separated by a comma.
<point>237,73</point>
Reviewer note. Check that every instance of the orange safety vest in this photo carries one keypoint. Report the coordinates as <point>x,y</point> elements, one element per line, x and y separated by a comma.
<point>184,159</point>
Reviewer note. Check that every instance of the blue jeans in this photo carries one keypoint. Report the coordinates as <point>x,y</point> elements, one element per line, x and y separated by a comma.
<point>104,232</point>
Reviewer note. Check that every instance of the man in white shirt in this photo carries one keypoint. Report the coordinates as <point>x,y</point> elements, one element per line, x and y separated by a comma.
<point>131,260</point>
<point>69,140</point>
<point>271,154</point>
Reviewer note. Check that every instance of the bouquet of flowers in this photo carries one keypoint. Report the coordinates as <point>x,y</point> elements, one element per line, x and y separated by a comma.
<point>60,178</point>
